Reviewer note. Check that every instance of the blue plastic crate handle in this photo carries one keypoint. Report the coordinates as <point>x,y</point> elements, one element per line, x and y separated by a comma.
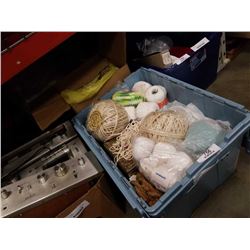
<point>199,175</point>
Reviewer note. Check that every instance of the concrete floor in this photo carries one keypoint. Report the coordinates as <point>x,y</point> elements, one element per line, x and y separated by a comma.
<point>232,199</point>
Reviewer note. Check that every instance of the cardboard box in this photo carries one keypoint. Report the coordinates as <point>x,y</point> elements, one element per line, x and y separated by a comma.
<point>112,49</point>
<point>52,207</point>
<point>118,77</point>
<point>99,202</point>
<point>160,59</point>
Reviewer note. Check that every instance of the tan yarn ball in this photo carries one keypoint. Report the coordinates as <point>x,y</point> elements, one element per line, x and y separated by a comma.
<point>106,120</point>
<point>164,126</point>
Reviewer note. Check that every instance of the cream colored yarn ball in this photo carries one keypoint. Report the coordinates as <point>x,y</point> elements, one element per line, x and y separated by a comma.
<point>106,120</point>
<point>164,126</point>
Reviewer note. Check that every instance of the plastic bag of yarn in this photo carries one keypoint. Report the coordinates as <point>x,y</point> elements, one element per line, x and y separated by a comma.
<point>171,154</point>
<point>224,124</point>
<point>106,120</point>
<point>146,166</point>
<point>164,151</point>
<point>142,147</point>
<point>164,174</point>
<point>201,135</point>
<point>192,112</point>
<point>173,104</point>
<point>180,162</point>
<point>195,112</point>
<point>164,177</point>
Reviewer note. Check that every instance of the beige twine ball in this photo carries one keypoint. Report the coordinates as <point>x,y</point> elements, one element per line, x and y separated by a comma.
<point>164,126</point>
<point>106,120</point>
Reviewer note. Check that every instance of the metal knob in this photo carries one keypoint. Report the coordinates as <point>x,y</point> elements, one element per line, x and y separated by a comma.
<point>15,179</point>
<point>20,189</point>
<point>81,161</point>
<point>61,170</point>
<point>42,178</point>
<point>5,194</point>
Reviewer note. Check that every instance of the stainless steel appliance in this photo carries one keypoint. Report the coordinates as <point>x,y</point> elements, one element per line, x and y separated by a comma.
<point>52,165</point>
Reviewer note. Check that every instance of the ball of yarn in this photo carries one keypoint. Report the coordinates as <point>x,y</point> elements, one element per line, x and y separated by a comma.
<point>106,120</point>
<point>142,148</point>
<point>156,94</point>
<point>144,108</point>
<point>141,87</point>
<point>164,126</point>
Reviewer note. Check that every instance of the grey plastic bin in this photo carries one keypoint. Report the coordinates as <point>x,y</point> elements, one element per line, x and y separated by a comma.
<point>201,178</point>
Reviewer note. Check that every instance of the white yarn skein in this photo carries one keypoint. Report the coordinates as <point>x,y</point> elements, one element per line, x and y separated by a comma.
<point>181,162</point>
<point>144,108</point>
<point>142,147</point>
<point>141,87</point>
<point>131,112</point>
<point>156,94</point>
<point>166,174</point>
<point>164,151</point>
<point>164,177</point>
<point>147,165</point>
